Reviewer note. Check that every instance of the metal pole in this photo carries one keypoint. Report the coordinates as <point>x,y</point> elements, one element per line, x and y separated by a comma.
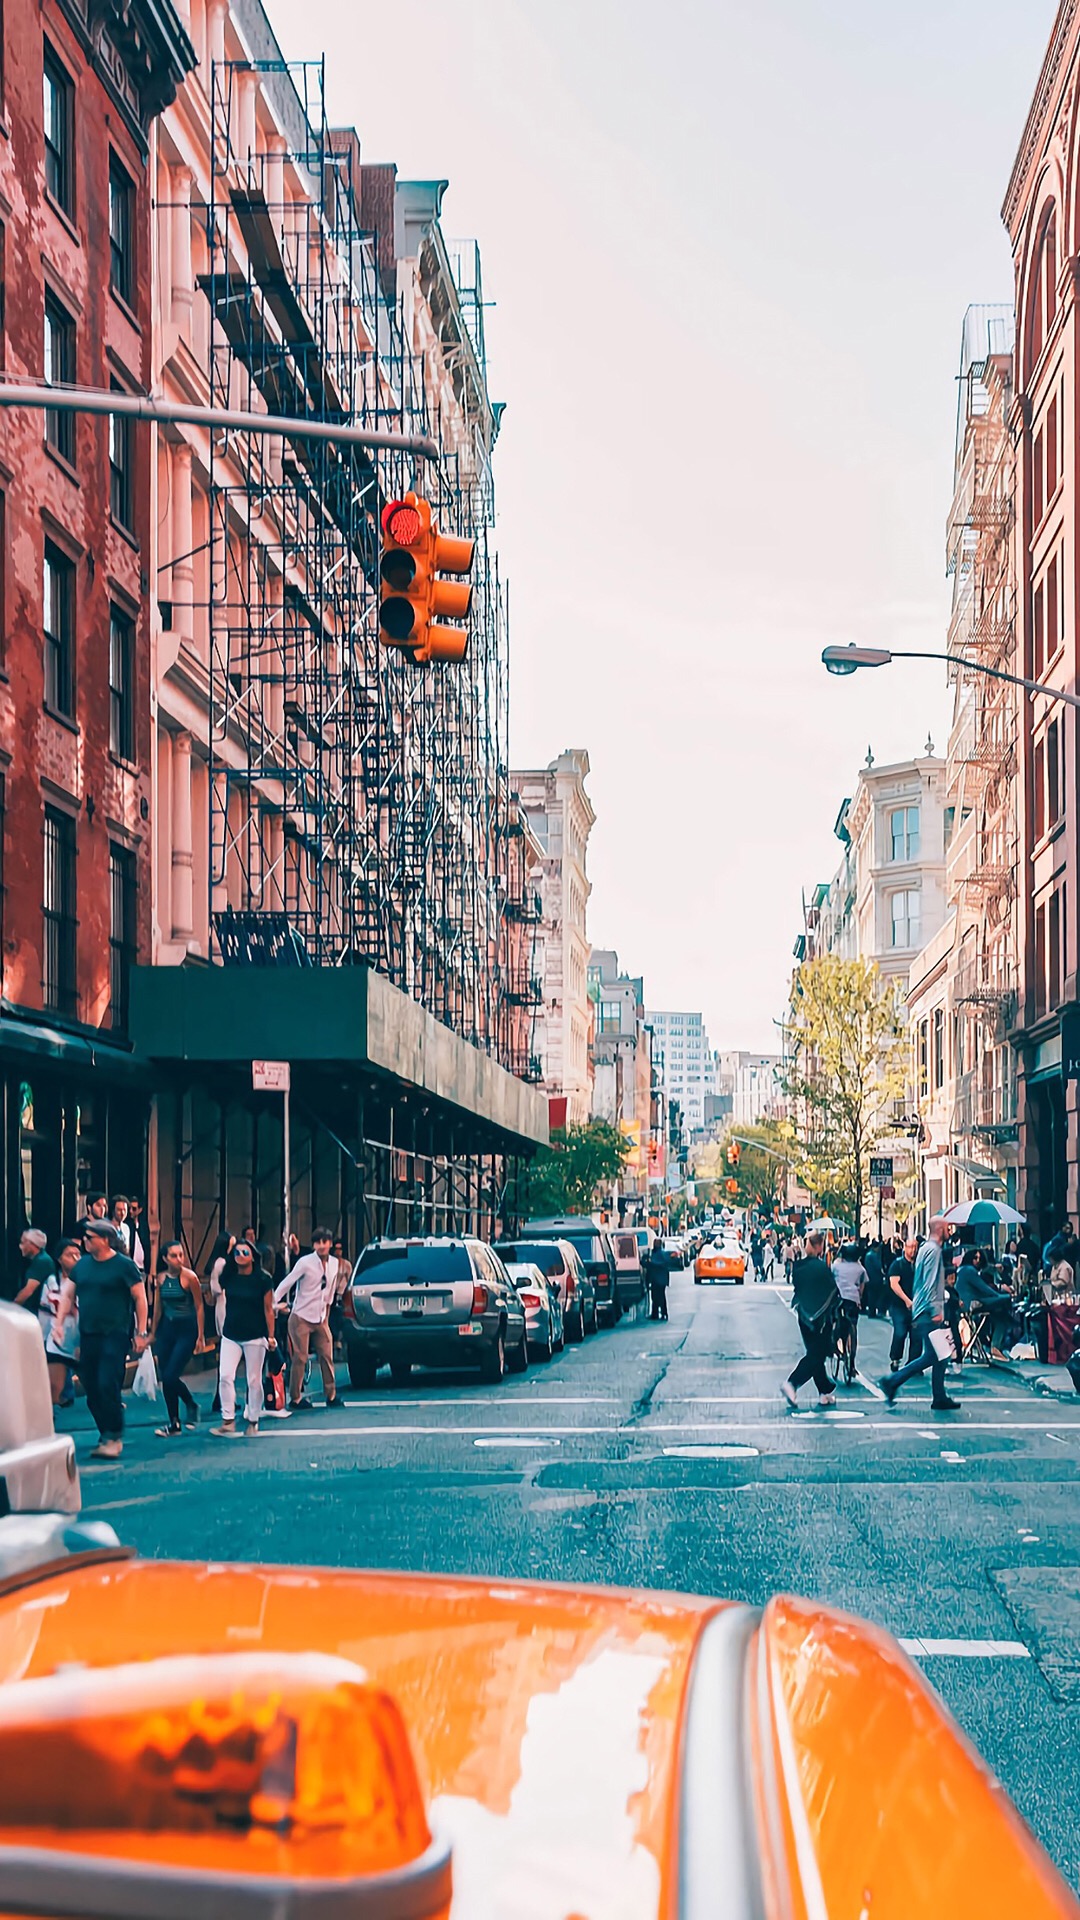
<point>142,406</point>
<point>286,1197</point>
<point>994,673</point>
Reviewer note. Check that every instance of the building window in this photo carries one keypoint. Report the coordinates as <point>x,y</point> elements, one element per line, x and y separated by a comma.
<point>939,1048</point>
<point>610,1017</point>
<point>59,985</point>
<point>59,96</point>
<point>906,918</point>
<point>923,1060</point>
<point>1053,950</point>
<point>58,623</point>
<point>59,372</point>
<point>1054,783</point>
<point>121,932</point>
<point>121,468</point>
<point>121,232</point>
<point>904,833</point>
<point>1038,784</point>
<point>121,688</point>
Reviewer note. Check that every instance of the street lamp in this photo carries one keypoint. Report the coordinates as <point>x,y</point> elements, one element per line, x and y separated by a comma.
<point>846,659</point>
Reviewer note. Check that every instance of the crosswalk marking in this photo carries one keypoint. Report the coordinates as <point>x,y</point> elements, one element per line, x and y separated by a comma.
<point>966,1649</point>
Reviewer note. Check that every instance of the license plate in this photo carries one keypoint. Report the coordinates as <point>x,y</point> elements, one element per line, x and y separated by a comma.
<point>410,1303</point>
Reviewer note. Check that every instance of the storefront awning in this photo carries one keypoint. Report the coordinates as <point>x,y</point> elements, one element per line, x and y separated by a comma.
<point>335,1017</point>
<point>980,1176</point>
<point>39,1043</point>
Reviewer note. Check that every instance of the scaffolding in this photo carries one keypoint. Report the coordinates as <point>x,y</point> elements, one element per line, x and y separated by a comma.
<point>360,812</point>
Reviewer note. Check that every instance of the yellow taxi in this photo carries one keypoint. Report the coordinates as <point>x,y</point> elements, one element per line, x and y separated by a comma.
<point>721,1260</point>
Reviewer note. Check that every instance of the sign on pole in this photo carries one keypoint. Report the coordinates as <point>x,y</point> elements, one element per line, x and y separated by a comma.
<point>881,1171</point>
<point>270,1076</point>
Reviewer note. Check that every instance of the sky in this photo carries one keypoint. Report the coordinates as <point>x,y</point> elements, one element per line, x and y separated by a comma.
<point>727,250</point>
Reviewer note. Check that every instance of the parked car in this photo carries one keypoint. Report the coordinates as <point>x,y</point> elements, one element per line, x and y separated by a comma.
<point>644,1237</point>
<point>629,1274</point>
<point>543,1314</point>
<point>674,1246</point>
<point>37,1466</point>
<point>722,1260</point>
<point>562,1264</point>
<point>437,1303</point>
<point>593,1244</point>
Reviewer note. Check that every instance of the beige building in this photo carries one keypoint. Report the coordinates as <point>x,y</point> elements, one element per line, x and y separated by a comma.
<point>621,1053</point>
<point>887,897</point>
<point>561,817</point>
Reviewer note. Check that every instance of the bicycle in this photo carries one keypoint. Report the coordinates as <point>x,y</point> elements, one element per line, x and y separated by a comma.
<point>840,1351</point>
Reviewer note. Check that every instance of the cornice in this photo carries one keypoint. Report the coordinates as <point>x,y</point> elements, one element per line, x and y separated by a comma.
<point>1035,126</point>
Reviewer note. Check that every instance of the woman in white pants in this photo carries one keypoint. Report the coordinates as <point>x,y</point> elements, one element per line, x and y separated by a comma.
<point>247,1332</point>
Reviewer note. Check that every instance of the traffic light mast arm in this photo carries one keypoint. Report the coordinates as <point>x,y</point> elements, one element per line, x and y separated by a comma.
<point>142,406</point>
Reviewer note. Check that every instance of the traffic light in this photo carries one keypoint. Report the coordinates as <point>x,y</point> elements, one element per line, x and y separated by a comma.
<point>732,1187</point>
<point>733,1154</point>
<point>412,597</point>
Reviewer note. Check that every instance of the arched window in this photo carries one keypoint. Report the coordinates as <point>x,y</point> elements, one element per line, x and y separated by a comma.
<point>1044,289</point>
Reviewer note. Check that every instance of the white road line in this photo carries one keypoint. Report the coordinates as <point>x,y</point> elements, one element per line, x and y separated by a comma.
<point>519,1440</point>
<point>718,1452</point>
<point>967,1649</point>
<point>870,1385</point>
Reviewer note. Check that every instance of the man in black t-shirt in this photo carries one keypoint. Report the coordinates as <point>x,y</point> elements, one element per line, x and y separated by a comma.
<point>901,1282</point>
<point>814,1299</point>
<point>108,1287</point>
<point>33,1245</point>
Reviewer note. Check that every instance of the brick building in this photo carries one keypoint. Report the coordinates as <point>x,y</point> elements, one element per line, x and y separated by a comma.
<point>78,104</point>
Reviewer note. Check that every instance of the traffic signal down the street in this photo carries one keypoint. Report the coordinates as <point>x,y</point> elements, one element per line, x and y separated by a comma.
<point>412,596</point>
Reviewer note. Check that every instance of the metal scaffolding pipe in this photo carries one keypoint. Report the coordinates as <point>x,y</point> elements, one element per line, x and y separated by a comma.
<point>139,406</point>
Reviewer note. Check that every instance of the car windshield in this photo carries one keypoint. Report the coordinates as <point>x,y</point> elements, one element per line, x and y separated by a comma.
<point>541,1253</point>
<point>411,1264</point>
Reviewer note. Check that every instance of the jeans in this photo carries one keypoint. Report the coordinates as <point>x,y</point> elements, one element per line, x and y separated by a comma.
<point>924,1357</point>
<point>175,1346</point>
<point>252,1353</point>
<point>658,1297</point>
<point>314,1333</point>
<point>812,1364</point>
<point>901,1331</point>
<point>102,1360</point>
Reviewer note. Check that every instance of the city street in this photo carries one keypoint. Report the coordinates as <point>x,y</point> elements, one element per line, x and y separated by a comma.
<point>662,1456</point>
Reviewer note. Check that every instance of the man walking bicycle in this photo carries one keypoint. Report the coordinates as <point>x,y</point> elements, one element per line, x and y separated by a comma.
<point>927,1323</point>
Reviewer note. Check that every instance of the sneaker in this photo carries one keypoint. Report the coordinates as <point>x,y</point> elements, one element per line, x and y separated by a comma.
<point>826,1399</point>
<point>894,1366</point>
<point>303,1405</point>
<point>333,1405</point>
<point>107,1450</point>
<point>170,1432</point>
<point>945,1406</point>
<point>789,1393</point>
<point>251,1430</point>
<point>227,1430</point>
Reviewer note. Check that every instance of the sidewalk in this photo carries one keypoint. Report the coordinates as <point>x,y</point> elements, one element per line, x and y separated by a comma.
<point>1040,1378</point>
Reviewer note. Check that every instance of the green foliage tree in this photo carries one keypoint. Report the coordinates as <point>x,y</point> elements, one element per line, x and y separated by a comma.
<point>765,1152</point>
<point>847,1068</point>
<point>576,1170</point>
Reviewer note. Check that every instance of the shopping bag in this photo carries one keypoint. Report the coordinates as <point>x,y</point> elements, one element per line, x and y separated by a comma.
<point>145,1383</point>
<point>942,1342</point>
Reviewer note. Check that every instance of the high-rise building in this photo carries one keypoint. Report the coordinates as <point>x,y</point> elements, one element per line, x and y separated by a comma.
<point>686,1062</point>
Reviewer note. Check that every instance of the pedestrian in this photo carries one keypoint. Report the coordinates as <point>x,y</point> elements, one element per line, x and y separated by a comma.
<point>814,1301</point>
<point>901,1281</point>
<point>108,1289</point>
<point>119,1218</point>
<point>40,1267</point>
<point>851,1284</point>
<point>248,1335</point>
<point>311,1282</point>
<point>61,1346</point>
<point>178,1330</point>
<point>97,1207</point>
<point>215,1267</point>
<point>659,1275</point>
<point>876,1289</point>
<point>140,1236</point>
<point>978,1294</point>
<point>927,1320</point>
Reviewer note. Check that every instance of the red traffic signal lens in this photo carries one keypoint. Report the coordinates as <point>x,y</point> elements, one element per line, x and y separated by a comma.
<point>402,523</point>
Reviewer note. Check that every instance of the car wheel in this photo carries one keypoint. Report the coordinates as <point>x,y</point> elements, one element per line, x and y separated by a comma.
<point>594,1323</point>
<point>401,1372</point>
<point>518,1360</point>
<point>362,1370</point>
<point>493,1361</point>
<point>575,1326</point>
<point>545,1352</point>
<point>697,1280</point>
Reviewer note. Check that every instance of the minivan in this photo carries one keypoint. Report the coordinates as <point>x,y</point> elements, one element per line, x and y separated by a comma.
<point>593,1243</point>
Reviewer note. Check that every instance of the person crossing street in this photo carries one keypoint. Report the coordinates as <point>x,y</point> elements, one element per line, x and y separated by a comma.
<point>815,1298</point>
<point>927,1321</point>
<point>659,1276</point>
<point>312,1284</point>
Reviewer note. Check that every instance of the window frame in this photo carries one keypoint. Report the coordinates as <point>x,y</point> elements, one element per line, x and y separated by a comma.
<point>121,683</point>
<point>123,932</point>
<point>60,176</point>
<point>910,837</point>
<point>123,277</point>
<point>122,471</point>
<point>60,944</point>
<point>59,648</point>
<point>59,325</point>
<point>912,922</point>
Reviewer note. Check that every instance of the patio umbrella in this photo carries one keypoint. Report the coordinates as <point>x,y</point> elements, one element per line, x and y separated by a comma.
<point>983,1213</point>
<point>826,1225</point>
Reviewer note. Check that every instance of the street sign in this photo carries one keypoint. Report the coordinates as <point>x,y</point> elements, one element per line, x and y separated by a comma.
<point>881,1171</point>
<point>270,1076</point>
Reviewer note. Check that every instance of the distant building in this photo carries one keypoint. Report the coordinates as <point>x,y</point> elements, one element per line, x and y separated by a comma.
<point>622,1061</point>
<point>750,1085</point>
<point>560,816</point>
<point>686,1063</point>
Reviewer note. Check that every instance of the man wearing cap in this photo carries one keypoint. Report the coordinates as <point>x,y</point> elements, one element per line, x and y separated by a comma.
<point>108,1286</point>
<point>33,1245</point>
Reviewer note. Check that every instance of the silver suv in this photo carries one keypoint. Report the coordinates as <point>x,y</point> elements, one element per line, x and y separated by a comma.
<point>437,1303</point>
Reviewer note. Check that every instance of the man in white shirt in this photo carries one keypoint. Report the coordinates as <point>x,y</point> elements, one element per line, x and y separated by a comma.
<point>312,1283</point>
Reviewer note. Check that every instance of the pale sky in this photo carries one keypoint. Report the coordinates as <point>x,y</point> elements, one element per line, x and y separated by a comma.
<point>728,246</point>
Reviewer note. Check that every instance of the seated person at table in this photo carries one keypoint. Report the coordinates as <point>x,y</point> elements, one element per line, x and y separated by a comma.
<point>978,1294</point>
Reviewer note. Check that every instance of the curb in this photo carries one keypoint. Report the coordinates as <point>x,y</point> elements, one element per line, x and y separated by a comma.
<point>1049,1389</point>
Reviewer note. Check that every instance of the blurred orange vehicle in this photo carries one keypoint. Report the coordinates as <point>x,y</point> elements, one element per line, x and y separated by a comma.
<point>209,1742</point>
<point>721,1260</point>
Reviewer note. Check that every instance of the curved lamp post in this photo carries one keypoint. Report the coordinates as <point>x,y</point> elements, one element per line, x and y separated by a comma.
<point>848,659</point>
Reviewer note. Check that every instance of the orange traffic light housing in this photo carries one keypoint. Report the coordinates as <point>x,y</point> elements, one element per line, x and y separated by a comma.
<point>733,1154</point>
<point>412,596</point>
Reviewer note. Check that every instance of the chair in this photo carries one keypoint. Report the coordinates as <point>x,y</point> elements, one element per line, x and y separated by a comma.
<point>976,1333</point>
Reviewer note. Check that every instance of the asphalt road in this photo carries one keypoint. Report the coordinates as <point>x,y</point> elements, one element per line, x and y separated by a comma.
<point>661,1455</point>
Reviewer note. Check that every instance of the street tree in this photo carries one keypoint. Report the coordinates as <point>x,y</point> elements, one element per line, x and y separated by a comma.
<point>765,1152</point>
<point>576,1171</point>
<point>847,1070</point>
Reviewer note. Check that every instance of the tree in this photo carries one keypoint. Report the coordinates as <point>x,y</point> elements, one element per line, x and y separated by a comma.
<point>846,1072</point>
<point>765,1152</point>
<point>578,1168</point>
